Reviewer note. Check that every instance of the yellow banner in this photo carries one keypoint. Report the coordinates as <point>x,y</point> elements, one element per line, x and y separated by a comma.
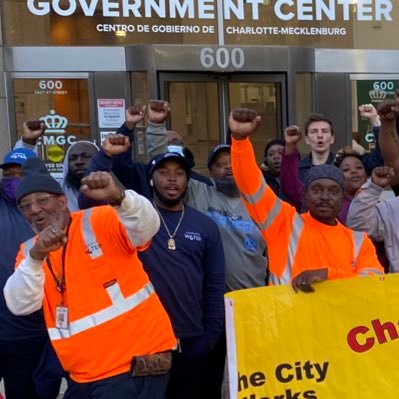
<point>340,342</point>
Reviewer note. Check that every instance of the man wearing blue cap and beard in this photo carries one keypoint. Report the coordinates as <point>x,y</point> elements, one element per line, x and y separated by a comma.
<point>185,262</point>
<point>21,338</point>
<point>244,247</point>
<point>242,242</point>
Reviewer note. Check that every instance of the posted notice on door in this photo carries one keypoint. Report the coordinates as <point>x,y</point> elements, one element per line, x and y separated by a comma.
<point>111,112</point>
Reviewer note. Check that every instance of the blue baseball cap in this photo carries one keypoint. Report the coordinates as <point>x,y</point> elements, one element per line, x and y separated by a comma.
<point>17,157</point>
<point>157,161</point>
<point>215,151</point>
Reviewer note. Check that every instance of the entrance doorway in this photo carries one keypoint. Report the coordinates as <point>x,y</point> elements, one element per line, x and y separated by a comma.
<point>201,104</point>
<point>62,102</point>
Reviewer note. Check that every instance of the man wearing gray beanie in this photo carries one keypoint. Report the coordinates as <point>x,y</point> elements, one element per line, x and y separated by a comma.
<point>103,317</point>
<point>303,248</point>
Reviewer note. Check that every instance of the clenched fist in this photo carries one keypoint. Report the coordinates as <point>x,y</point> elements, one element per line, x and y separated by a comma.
<point>382,175</point>
<point>134,115</point>
<point>243,122</point>
<point>50,239</point>
<point>388,110</point>
<point>292,135</point>
<point>115,144</point>
<point>158,111</point>
<point>101,186</point>
<point>32,130</point>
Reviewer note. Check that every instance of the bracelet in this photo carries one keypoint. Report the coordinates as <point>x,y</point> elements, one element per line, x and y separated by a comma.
<point>119,201</point>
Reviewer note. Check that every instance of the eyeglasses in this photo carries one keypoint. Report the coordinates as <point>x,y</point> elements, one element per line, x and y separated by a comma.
<point>41,202</point>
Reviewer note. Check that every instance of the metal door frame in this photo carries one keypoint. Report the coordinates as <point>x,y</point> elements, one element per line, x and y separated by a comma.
<point>50,75</point>
<point>223,94</point>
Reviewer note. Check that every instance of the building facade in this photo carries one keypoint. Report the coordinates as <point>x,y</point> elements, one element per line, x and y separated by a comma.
<point>77,64</point>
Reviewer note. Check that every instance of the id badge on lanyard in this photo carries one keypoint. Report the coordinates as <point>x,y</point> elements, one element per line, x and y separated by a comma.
<point>61,311</point>
<point>61,317</point>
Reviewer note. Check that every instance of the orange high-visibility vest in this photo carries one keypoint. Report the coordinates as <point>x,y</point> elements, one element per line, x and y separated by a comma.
<point>298,242</point>
<point>114,313</point>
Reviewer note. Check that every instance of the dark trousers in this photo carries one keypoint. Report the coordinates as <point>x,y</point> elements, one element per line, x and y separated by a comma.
<point>49,373</point>
<point>197,370</point>
<point>214,371</point>
<point>18,360</point>
<point>121,387</point>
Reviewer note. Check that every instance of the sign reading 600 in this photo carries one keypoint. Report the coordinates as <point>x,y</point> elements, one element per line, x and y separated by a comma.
<point>222,57</point>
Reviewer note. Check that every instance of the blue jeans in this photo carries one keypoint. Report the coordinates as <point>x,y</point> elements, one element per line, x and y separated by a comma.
<point>121,386</point>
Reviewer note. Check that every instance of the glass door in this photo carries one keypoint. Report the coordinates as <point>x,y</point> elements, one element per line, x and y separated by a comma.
<point>62,103</point>
<point>201,104</point>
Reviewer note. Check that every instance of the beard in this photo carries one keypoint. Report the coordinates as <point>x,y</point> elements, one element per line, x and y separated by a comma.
<point>227,186</point>
<point>73,180</point>
<point>169,202</point>
<point>58,219</point>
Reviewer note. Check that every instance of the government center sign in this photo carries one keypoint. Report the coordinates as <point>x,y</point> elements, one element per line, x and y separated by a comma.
<point>317,23</point>
<point>286,10</point>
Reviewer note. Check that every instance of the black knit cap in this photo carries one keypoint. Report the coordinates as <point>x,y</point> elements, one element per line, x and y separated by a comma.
<point>36,179</point>
<point>325,171</point>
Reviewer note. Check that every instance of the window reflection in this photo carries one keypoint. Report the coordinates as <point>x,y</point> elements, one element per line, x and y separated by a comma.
<point>324,24</point>
<point>63,104</point>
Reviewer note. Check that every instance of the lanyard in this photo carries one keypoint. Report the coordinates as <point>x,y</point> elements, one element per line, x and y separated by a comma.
<point>60,284</point>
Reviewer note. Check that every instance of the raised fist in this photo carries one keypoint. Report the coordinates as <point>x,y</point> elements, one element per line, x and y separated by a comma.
<point>50,239</point>
<point>115,144</point>
<point>101,186</point>
<point>158,111</point>
<point>367,111</point>
<point>382,175</point>
<point>134,115</point>
<point>243,122</point>
<point>32,130</point>
<point>388,110</point>
<point>35,125</point>
<point>292,135</point>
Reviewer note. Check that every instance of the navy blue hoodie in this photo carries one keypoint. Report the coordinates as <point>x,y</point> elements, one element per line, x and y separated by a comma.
<point>14,230</point>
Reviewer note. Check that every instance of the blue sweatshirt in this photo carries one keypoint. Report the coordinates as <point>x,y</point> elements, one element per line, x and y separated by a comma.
<point>190,281</point>
<point>14,230</point>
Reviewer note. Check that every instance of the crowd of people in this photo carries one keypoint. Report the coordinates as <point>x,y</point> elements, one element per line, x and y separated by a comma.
<point>114,277</point>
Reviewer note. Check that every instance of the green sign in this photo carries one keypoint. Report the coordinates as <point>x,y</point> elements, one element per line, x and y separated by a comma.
<point>372,92</point>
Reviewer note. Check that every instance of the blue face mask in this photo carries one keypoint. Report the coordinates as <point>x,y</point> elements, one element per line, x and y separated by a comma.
<point>8,188</point>
<point>176,148</point>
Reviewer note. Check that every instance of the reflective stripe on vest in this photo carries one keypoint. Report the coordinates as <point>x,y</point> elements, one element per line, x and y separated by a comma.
<point>370,270</point>
<point>358,238</point>
<point>274,211</point>
<point>297,227</point>
<point>255,197</point>
<point>120,306</point>
<point>89,237</point>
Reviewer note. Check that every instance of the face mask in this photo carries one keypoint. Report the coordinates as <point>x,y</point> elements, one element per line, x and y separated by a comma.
<point>8,188</point>
<point>176,148</point>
